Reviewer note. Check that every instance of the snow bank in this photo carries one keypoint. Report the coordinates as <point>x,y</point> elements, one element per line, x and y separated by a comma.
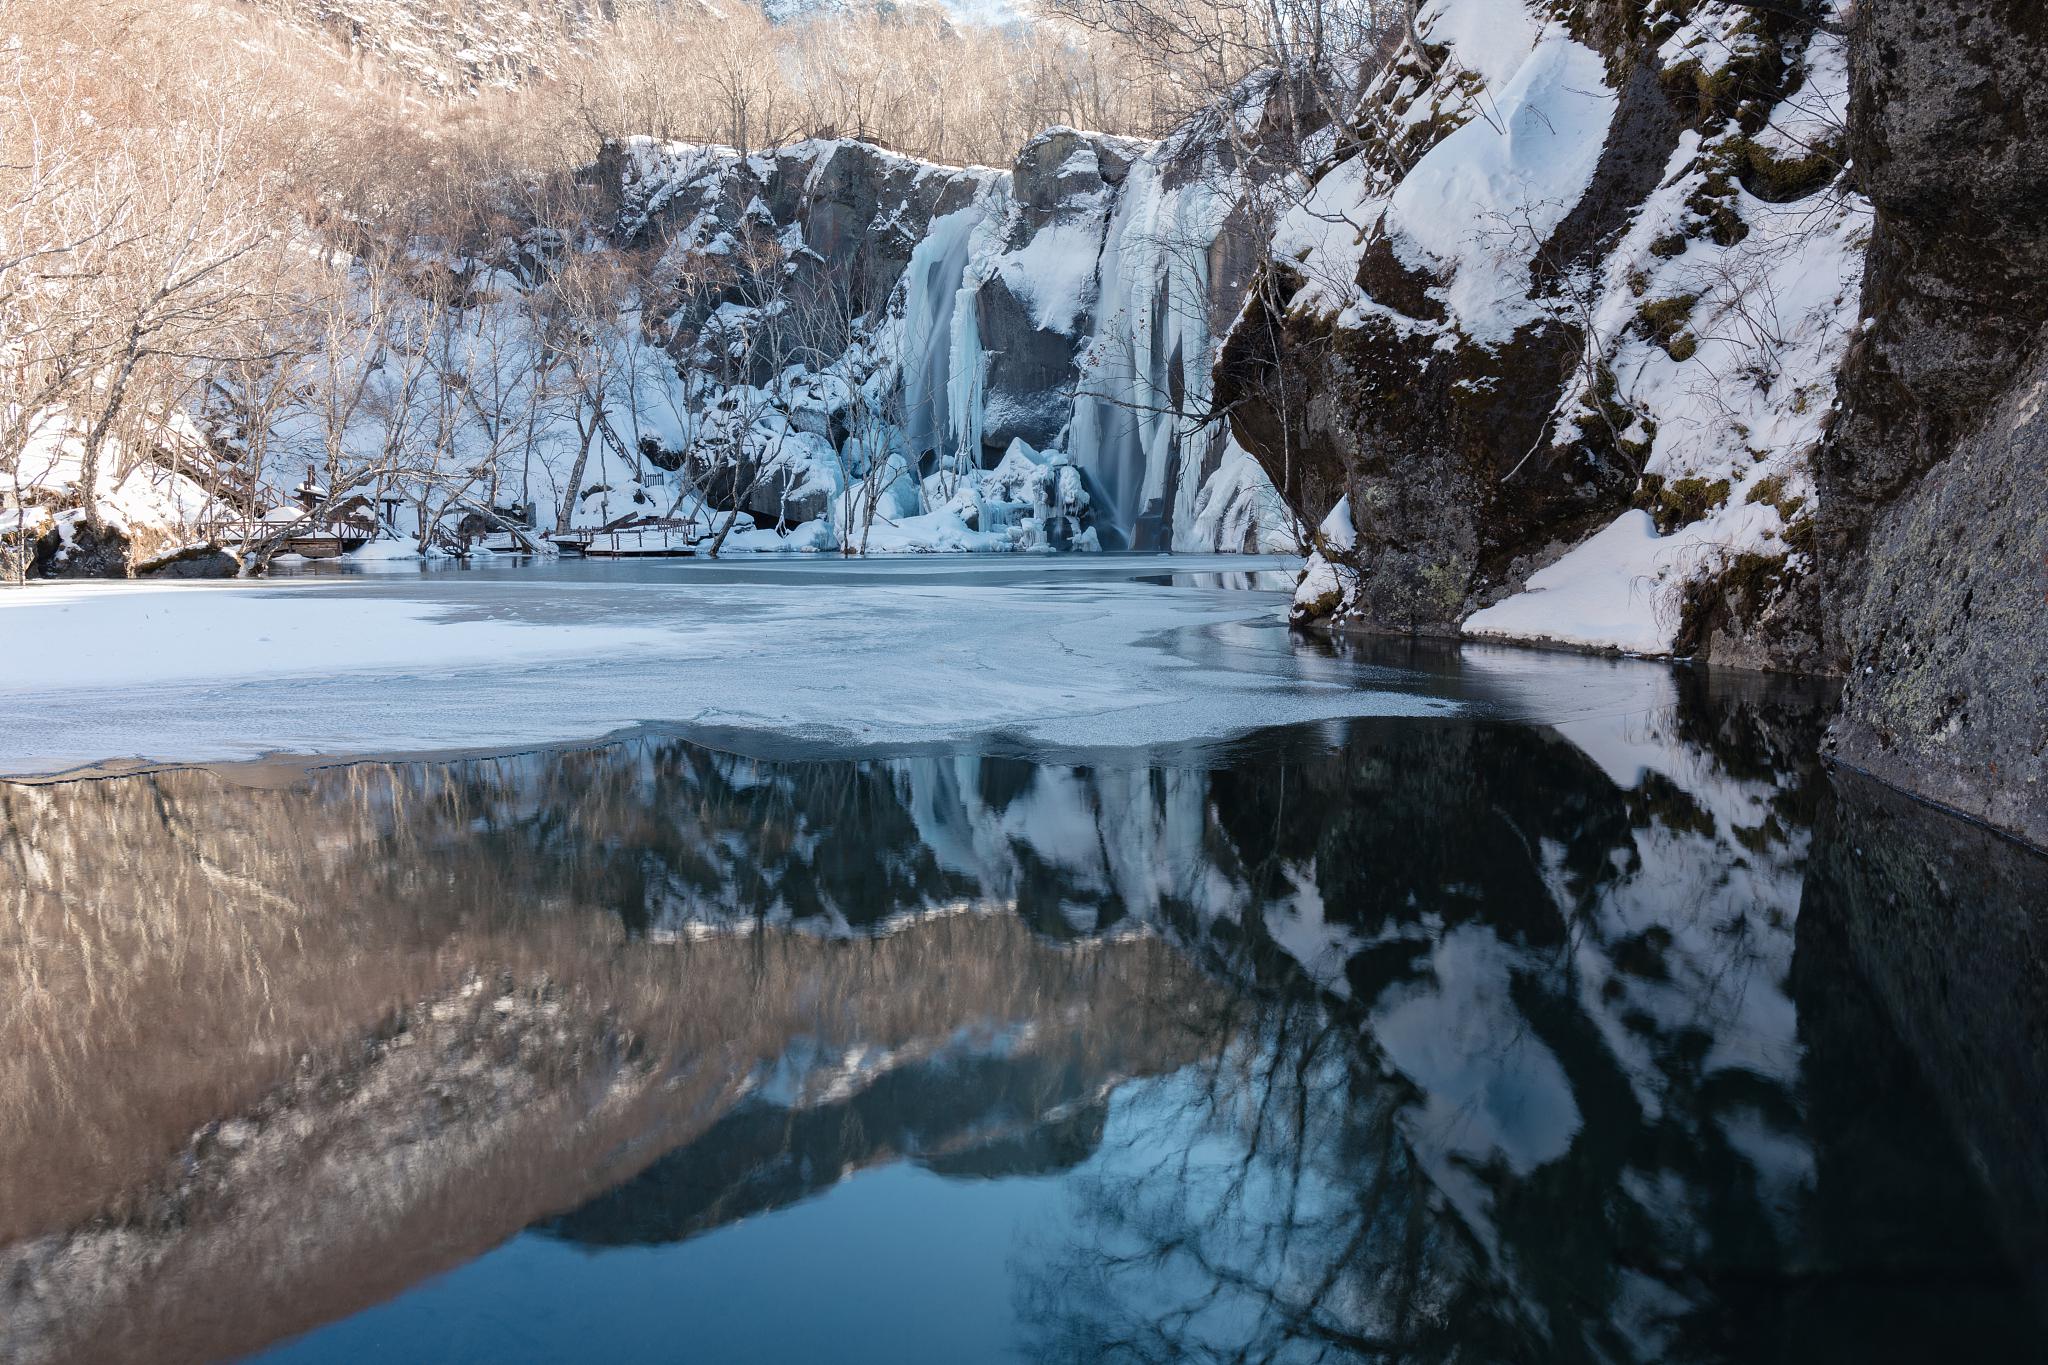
<point>1621,588</point>
<point>157,505</point>
<point>1605,594</point>
<point>1491,38</point>
<point>384,552</point>
<point>1709,323</point>
<point>1480,203</point>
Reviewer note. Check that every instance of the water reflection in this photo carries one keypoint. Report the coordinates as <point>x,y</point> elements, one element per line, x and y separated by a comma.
<point>1421,1040</point>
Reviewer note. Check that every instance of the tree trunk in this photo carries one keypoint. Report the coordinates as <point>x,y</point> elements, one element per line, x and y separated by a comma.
<point>96,436</point>
<point>724,531</point>
<point>589,434</point>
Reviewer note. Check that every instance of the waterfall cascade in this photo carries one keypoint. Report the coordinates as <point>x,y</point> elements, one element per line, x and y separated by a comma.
<point>1069,303</point>
<point>931,292</point>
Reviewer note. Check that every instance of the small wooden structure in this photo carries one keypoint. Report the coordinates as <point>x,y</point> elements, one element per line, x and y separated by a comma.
<point>644,538</point>
<point>501,529</point>
<point>314,530</point>
<point>636,537</point>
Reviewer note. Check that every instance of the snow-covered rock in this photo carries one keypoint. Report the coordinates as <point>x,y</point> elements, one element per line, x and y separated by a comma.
<point>1562,331</point>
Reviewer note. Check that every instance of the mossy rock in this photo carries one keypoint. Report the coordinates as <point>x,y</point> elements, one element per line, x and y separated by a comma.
<point>1780,179</point>
<point>1731,600</point>
<point>1602,418</point>
<point>1681,502</point>
<point>1799,535</point>
<point>1772,492</point>
<point>1670,245</point>
<point>1713,203</point>
<point>1639,451</point>
<point>1664,322</point>
<point>1318,608</point>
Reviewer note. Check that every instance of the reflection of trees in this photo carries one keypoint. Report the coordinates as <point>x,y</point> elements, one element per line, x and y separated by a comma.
<point>1382,1198</point>
<point>405,989</point>
<point>179,950</point>
<point>1299,1228</point>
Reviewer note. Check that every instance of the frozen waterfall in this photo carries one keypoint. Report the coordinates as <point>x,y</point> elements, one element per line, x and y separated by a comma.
<point>932,290</point>
<point>1155,480</point>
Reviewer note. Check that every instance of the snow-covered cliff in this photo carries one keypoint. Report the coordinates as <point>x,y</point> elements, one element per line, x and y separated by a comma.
<point>1561,317</point>
<point>1061,314</point>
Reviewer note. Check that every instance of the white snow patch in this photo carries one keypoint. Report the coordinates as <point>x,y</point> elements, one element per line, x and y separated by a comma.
<point>1602,594</point>
<point>1489,37</point>
<point>1481,202</point>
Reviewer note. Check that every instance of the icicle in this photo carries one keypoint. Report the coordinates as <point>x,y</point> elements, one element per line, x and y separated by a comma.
<point>937,266</point>
<point>967,372</point>
<point>1154,308</point>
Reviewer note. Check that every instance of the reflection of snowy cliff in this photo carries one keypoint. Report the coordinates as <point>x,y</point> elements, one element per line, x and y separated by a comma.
<point>1573,951</point>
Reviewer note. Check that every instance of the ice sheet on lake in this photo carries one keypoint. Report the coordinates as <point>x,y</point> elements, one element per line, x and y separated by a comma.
<point>1063,653</point>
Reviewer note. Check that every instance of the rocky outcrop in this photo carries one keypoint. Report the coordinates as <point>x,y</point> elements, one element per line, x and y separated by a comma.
<point>74,549</point>
<point>1759,384</point>
<point>190,561</point>
<point>1597,263</point>
<point>1934,479</point>
<point>857,211</point>
<point>1062,192</point>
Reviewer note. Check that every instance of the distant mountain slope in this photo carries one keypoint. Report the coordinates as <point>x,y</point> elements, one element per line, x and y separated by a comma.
<point>447,46</point>
<point>451,45</point>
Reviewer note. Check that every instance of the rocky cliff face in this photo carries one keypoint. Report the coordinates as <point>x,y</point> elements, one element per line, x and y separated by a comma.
<point>1934,480</point>
<point>1696,329</point>
<point>1548,343</point>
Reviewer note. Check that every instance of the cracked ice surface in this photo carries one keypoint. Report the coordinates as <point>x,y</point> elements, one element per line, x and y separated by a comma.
<point>1072,653</point>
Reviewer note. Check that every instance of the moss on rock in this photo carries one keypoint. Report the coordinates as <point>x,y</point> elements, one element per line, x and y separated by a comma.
<point>1680,502</point>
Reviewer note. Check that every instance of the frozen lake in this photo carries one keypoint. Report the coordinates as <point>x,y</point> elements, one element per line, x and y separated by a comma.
<point>1074,652</point>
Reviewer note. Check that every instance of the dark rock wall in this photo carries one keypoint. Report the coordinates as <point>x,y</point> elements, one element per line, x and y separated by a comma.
<point>1948,924</point>
<point>861,211</point>
<point>1934,478</point>
<point>1923,574</point>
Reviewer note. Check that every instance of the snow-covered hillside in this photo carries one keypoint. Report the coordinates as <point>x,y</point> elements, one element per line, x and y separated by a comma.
<point>447,47</point>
